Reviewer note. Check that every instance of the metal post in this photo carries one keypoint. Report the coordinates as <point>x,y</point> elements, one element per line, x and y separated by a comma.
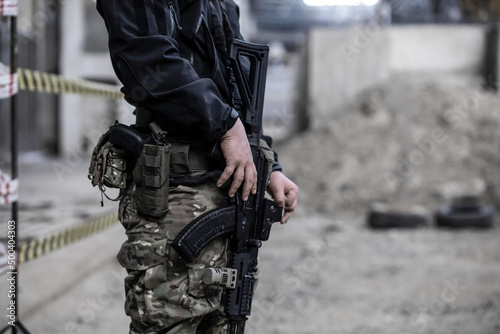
<point>14,128</point>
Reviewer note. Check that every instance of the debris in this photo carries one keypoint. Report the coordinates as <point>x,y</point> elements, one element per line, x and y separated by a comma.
<point>355,160</point>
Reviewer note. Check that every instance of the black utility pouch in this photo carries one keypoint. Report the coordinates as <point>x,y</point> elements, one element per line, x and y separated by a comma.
<point>151,175</point>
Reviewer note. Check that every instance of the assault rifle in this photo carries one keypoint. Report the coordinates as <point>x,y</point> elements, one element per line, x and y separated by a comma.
<point>244,224</point>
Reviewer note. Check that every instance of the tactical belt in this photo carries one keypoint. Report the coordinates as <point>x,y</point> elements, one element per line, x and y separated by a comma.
<point>189,162</point>
<point>187,159</point>
<point>190,165</point>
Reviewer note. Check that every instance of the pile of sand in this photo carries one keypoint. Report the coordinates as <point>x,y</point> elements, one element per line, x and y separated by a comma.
<point>415,140</point>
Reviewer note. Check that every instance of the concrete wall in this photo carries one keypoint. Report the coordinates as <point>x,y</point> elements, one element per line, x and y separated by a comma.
<point>437,48</point>
<point>344,62</point>
<point>82,118</point>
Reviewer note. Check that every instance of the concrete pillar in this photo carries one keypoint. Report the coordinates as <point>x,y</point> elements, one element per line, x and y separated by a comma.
<point>84,118</point>
<point>248,22</point>
<point>491,66</point>
<point>72,25</point>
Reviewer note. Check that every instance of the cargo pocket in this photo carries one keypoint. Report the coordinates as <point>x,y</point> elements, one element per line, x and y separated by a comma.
<point>196,288</point>
<point>142,251</point>
<point>134,298</point>
<point>154,298</point>
<point>155,277</point>
<point>202,298</point>
<point>127,215</point>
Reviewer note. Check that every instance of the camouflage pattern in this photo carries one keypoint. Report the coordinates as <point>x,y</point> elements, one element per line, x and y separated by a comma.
<point>163,292</point>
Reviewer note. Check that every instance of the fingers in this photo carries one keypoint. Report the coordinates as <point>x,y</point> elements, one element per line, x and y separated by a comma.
<point>226,174</point>
<point>254,183</point>
<point>290,204</point>
<point>250,182</point>
<point>239,177</point>
<point>279,198</point>
<point>291,199</point>
<point>239,162</point>
<point>286,216</point>
<point>243,175</point>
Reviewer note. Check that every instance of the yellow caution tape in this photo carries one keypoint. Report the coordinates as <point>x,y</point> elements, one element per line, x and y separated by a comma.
<point>42,82</point>
<point>37,247</point>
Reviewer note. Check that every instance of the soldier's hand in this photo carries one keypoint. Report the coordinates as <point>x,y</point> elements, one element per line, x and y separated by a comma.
<point>284,192</point>
<point>239,161</point>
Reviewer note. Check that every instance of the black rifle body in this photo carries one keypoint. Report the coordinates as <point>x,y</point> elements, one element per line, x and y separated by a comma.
<point>244,224</point>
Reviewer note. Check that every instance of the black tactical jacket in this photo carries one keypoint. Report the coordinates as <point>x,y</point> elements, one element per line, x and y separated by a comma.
<point>177,74</point>
<point>170,58</point>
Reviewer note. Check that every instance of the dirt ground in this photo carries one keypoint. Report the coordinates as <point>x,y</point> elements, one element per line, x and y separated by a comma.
<point>416,140</point>
<point>332,275</point>
<point>325,271</point>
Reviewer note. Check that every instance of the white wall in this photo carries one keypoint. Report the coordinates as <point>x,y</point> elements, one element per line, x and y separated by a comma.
<point>71,52</point>
<point>449,48</point>
<point>344,62</point>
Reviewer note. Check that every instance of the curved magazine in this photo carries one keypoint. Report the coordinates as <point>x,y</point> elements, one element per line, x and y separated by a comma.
<point>202,230</point>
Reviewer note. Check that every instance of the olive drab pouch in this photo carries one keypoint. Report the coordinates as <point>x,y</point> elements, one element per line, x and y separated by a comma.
<point>269,154</point>
<point>108,167</point>
<point>151,175</point>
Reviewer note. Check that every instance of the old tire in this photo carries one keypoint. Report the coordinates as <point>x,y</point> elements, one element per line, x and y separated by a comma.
<point>383,216</point>
<point>451,216</point>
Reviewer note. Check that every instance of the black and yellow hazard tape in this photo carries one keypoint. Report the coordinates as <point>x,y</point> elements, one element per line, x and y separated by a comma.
<point>42,82</point>
<point>38,247</point>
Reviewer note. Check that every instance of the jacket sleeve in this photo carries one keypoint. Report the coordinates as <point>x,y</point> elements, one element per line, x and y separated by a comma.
<point>145,57</point>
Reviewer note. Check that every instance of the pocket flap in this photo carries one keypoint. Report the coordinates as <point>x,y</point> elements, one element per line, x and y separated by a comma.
<point>142,251</point>
<point>196,286</point>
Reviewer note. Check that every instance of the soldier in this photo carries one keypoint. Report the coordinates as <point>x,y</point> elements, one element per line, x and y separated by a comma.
<point>171,59</point>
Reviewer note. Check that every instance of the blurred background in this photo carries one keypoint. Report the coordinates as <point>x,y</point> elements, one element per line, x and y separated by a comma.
<point>384,112</point>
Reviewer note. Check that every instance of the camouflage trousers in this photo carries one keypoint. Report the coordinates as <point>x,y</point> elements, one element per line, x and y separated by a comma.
<point>165,294</point>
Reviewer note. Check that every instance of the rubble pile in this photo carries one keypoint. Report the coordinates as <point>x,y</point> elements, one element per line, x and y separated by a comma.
<point>414,140</point>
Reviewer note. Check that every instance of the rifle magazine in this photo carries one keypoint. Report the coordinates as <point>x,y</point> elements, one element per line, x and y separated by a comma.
<point>202,230</point>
